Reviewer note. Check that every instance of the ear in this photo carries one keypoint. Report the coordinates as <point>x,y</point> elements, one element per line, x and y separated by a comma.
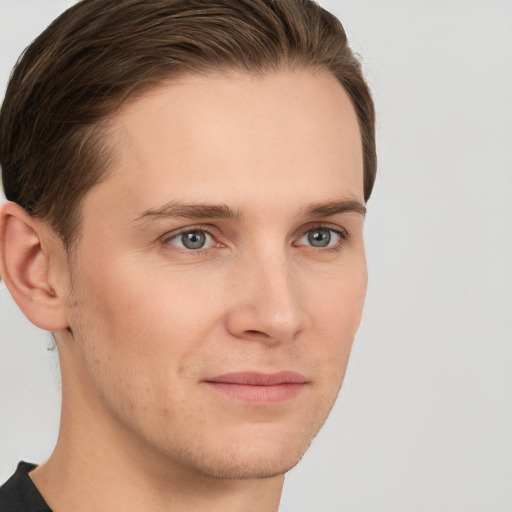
<point>27,252</point>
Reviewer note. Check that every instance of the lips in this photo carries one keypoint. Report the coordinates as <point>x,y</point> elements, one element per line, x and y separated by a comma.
<point>259,388</point>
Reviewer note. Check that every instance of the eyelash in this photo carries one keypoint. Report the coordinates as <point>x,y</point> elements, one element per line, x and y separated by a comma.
<point>195,252</point>
<point>342,233</point>
<point>343,238</point>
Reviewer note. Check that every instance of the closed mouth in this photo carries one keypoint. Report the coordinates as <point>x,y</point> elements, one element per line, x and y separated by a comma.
<point>259,388</point>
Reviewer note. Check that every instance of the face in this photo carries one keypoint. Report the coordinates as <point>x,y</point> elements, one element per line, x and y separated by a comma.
<point>220,275</point>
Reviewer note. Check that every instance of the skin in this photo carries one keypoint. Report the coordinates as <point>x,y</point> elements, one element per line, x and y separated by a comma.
<point>142,322</point>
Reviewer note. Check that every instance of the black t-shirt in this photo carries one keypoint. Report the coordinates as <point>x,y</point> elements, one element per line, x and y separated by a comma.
<point>19,494</point>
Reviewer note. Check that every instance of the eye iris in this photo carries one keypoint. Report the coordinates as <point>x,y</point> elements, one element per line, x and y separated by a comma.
<point>193,239</point>
<point>319,237</point>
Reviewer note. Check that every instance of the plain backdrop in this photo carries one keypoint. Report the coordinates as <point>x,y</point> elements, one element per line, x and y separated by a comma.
<point>424,420</point>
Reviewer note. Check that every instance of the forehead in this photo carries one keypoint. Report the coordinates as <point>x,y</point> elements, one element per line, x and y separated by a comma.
<point>238,138</point>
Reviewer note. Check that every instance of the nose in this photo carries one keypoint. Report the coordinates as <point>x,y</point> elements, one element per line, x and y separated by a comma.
<point>267,305</point>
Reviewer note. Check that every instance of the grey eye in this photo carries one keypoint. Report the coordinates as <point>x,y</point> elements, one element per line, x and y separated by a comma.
<point>193,239</point>
<point>320,237</point>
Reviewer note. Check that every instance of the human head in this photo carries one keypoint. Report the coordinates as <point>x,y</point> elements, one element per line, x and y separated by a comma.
<point>260,158</point>
<point>54,143</point>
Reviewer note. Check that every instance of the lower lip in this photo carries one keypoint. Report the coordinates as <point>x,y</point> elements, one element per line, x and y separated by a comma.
<point>259,394</point>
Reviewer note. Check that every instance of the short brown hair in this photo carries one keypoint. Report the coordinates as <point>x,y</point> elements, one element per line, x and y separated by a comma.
<point>98,53</point>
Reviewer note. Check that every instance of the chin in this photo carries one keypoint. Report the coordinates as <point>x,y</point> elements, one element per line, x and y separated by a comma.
<point>245,466</point>
<point>249,456</point>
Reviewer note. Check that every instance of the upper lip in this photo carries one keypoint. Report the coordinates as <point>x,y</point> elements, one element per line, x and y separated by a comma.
<point>259,379</point>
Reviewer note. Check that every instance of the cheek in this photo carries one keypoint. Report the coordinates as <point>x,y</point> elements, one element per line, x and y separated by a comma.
<point>135,334</point>
<point>144,309</point>
<point>147,336</point>
<point>337,298</point>
<point>336,307</point>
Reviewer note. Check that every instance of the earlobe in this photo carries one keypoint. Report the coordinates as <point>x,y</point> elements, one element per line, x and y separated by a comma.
<point>24,266</point>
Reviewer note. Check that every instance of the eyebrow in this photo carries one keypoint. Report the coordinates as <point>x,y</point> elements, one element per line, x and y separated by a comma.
<point>190,211</point>
<point>335,207</point>
<point>222,211</point>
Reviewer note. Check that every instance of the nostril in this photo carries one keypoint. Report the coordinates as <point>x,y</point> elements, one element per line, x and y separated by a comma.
<point>257,333</point>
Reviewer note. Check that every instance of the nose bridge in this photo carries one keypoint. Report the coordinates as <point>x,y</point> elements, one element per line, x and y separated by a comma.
<point>269,299</point>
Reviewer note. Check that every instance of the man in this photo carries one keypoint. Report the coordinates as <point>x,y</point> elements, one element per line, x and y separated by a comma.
<point>186,186</point>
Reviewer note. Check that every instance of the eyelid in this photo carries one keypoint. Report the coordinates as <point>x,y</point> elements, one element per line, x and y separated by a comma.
<point>324,225</point>
<point>340,231</point>
<point>209,230</point>
<point>165,239</point>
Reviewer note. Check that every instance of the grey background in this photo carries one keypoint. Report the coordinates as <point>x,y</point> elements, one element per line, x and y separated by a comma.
<point>424,420</point>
